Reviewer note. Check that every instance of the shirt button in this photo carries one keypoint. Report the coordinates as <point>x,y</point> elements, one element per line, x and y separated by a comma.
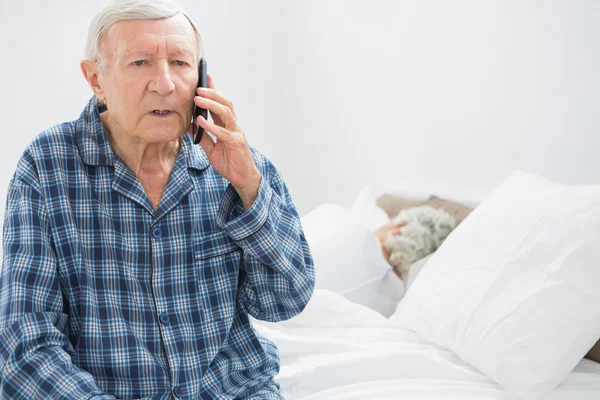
<point>164,318</point>
<point>177,391</point>
<point>156,232</point>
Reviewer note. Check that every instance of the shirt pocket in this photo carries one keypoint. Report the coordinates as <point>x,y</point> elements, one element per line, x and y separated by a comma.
<point>217,262</point>
<point>214,245</point>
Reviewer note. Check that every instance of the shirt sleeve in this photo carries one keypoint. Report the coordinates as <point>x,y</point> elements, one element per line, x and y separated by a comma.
<point>277,276</point>
<point>35,350</point>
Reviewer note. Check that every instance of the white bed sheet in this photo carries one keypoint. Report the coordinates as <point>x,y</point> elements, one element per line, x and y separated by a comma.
<point>337,349</point>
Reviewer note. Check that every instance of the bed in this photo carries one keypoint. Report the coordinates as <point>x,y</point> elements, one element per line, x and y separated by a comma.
<point>337,349</point>
<point>365,333</point>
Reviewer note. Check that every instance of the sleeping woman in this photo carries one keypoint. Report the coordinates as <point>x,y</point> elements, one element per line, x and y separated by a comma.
<point>392,229</point>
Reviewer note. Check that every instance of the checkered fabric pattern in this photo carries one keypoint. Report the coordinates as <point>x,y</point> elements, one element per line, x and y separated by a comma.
<point>104,297</point>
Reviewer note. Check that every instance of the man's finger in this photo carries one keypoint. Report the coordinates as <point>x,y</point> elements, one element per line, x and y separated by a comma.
<point>220,98</point>
<point>221,111</point>
<point>216,96</point>
<point>220,133</point>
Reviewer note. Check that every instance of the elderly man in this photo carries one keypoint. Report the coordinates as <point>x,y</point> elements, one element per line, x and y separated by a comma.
<point>133,259</point>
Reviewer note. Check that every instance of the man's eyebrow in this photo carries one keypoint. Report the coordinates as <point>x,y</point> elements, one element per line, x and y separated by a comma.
<point>185,54</point>
<point>143,52</point>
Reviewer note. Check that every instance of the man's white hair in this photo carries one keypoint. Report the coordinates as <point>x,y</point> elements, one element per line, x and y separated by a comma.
<point>127,10</point>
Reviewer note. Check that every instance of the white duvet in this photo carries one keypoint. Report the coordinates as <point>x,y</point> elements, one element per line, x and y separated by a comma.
<point>336,349</point>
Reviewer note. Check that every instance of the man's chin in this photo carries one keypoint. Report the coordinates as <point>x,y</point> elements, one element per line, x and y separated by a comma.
<point>167,134</point>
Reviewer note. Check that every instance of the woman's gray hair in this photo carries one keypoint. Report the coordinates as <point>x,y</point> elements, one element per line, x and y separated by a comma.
<point>126,10</point>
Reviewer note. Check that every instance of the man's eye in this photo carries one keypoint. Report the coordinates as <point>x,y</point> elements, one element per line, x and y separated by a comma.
<point>138,63</point>
<point>180,62</point>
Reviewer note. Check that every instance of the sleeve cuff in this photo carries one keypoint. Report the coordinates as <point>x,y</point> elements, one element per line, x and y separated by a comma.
<point>236,222</point>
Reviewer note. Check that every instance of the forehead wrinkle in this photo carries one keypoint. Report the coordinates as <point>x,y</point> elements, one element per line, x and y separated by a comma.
<point>179,45</point>
<point>151,47</point>
<point>178,31</point>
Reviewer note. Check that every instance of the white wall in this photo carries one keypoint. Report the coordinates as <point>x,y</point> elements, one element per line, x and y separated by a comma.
<point>443,97</point>
<point>416,96</point>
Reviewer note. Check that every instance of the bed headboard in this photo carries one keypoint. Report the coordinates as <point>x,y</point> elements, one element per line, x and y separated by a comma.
<point>393,204</point>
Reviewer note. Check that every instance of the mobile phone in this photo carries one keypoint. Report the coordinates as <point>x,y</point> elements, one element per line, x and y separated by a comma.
<point>202,82</point>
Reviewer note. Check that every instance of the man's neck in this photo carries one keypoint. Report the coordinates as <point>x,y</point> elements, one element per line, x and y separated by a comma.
<point>143,158</point>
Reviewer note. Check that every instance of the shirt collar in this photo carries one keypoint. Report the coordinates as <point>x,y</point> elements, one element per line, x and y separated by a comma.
<point>95,149</point>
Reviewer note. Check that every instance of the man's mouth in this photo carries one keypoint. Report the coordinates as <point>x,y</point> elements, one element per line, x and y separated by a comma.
<point>161,112</point>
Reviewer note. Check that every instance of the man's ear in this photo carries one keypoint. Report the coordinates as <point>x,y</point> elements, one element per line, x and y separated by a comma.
<point>90,73</point>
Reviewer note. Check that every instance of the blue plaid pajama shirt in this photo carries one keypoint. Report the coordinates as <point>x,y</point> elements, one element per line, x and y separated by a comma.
<point>103,297</point>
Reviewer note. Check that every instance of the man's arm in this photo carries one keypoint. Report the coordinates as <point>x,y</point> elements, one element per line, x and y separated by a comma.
<point>278,275</point>
<point>35,351</point>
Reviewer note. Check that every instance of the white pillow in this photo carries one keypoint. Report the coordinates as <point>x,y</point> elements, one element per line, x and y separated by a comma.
<point>347,255</point>
<point>515,289</point>
<point>414,270</point>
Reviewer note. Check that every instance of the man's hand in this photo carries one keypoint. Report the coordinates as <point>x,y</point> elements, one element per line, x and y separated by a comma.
<point>383,231</point>
<point>230,155</point>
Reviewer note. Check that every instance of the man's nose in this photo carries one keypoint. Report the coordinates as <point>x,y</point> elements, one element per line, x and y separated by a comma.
<point>162,82</point>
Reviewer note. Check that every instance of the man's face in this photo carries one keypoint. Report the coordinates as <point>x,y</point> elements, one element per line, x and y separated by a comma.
<point>150,65</point>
